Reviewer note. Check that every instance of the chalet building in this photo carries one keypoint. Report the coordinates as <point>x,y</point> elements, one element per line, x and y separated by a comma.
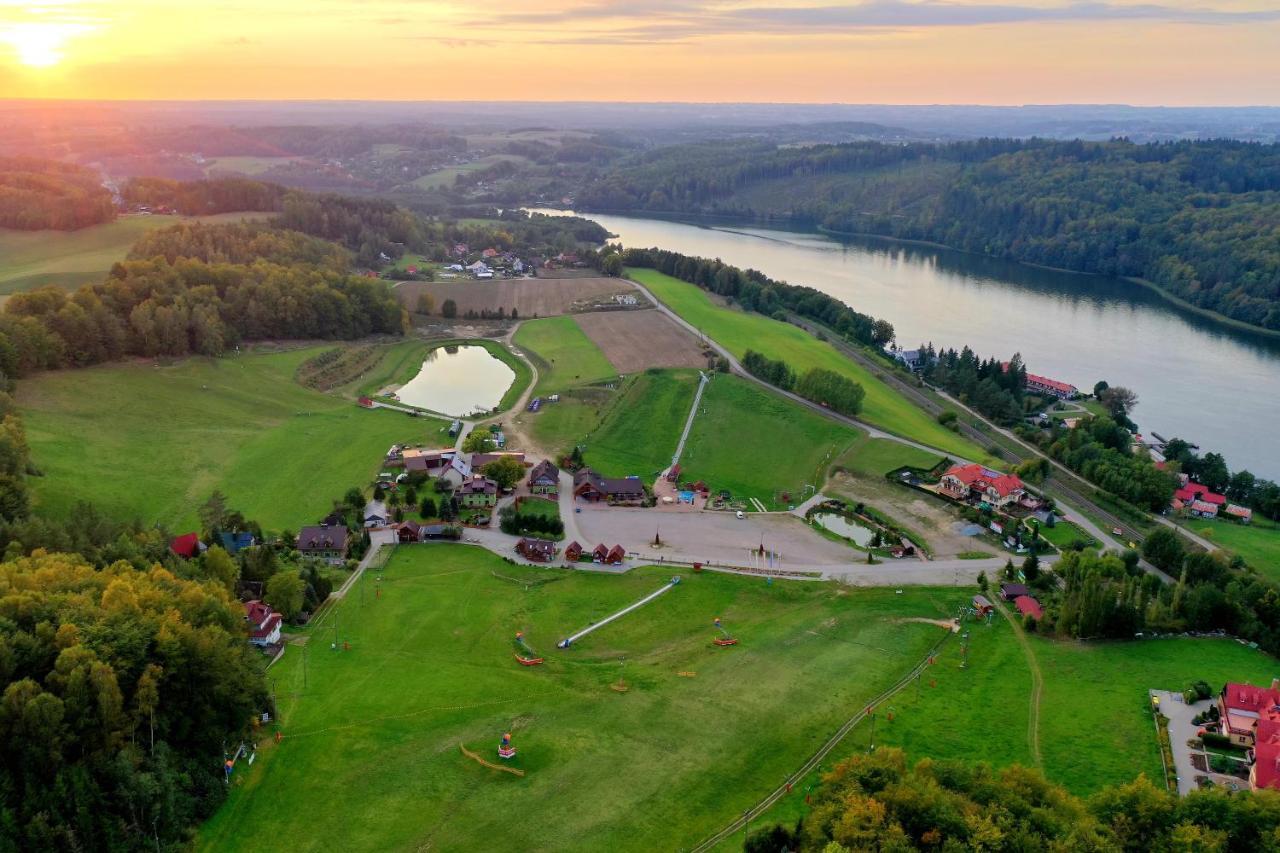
<point>538,550</point>
<point>573,552</point>
<point>187,546</point>
<point>264,623</point>
<point>326,543</point>
<point>982,606</point>
<point>408,531</point>
<point>590,486</point>
<point>965,482</point>
<point>615,556</point>
<point>479,491</point>
<point>600,553</point>
<point>544,479</point>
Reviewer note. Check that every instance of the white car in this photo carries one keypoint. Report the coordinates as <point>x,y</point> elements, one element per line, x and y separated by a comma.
<point>741,514</point>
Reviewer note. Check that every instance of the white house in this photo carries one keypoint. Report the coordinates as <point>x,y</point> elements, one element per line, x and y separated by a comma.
<point>264,623</point>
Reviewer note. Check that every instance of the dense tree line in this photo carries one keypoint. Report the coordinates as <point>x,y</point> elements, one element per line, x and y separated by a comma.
<point>879,802</point>
<point>985,385</point>
<point>197,198</point>
<point>1101,450</point>
<point>776,372</point>
<point>123,689</point>
<point>755,291</point>
<point>37,194</point>
<point>1199,219</point>
<point>830,389</point>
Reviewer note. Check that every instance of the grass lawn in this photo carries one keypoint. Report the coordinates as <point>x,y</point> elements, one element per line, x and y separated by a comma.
<point>759,445</point>
<point>739,331</point>
<point>1258,542</point>
<point>1095,727</point>
<point>31,259</point>
<point>446,177</point>
<point>565,356</point>
<point>240,424</point>
<point>1064,534</point>
<point>370,758</point>
<point>541,507</point>
<point>638,434</point>
<point>875,457</point>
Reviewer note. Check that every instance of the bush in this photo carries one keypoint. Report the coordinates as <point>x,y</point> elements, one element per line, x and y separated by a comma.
<point>1215,739</point>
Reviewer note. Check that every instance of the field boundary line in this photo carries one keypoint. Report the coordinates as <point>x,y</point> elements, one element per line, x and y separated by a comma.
<point>823,751</point>
<point>476,758</point>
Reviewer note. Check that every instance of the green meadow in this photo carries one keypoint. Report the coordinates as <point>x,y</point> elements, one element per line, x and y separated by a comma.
<point>68,259</point>
<point>639,432</point>
<point>739,331</point>
<point>1257,543</point>
<point>759,445</point>
<point>371,756</point>
<point>153,441</point>
<point>563,354</point>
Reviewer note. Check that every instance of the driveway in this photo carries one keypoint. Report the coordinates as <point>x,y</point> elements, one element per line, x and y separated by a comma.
<point>1181,730</point>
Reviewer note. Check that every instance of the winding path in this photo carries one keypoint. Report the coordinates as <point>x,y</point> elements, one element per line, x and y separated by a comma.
<point>1037,685</point>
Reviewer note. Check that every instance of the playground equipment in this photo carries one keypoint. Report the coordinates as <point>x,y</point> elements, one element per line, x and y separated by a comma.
<point>568,641</point>
<point>523,653</point>
<point>725,638</point>
<point>505,750</point>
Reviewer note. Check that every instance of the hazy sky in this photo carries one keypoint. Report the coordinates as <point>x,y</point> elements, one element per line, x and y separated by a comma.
<point>881,51</point>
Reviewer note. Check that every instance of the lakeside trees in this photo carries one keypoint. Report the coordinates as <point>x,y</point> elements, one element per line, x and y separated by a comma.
<point>1199,219</point>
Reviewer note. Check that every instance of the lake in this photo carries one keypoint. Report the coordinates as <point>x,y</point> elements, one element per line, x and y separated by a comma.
<point>458,380</point>
<point>1210,384</point>
<point>841,526</point>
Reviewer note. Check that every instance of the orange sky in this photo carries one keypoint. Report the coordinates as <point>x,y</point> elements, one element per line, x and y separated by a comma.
<point>1219,52</point>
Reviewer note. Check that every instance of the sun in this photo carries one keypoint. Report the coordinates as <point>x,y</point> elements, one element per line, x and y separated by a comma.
<point>40,45</point>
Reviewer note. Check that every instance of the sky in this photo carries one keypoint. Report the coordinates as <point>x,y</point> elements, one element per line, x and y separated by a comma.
<point>1169,52</point>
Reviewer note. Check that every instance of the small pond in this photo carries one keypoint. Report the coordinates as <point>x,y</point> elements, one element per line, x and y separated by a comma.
<point>458,380</point>
<point>845,527</point>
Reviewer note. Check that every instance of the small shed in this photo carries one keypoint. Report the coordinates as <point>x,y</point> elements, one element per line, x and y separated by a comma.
<point>982,605</point>
<point>573,552</point>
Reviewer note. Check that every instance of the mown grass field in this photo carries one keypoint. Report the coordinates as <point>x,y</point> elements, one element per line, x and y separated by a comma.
<point>875,457</point>
<point>1095,726</point>
<point>68,259</point>
<point>148,442</point>
<point>247,165</point>
<point>370,758</point>
<point>639,433</point>
<point>565,355</point>
<point>739,331</point>
<point>759,445</point>
<point>446,177</point>
<point>1258,543</point>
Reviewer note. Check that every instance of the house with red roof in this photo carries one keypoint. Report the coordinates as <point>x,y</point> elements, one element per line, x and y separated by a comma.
<point>1195,492</point>
<point>1265,772</point>
<point>1046,387</point>
<point>1243,707</point>
<point>615,556</point>
<point>963,482</point>
<point>188,545</point>
<point>573,552</point>
<point>1028,606</point>
<point>1241,513</point>
<point>537,550</point>
<point>1203,509</point>
<point>264,623</point>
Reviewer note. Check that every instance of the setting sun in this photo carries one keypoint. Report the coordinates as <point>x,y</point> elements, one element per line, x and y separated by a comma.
<point>40,45</point>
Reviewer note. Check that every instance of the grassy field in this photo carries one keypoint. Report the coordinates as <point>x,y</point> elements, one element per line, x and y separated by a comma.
<point>875,457</point>
<point>638,434</point>
<point>1257,543</point>
<point>739,331</point>
<point>246,165</point>
<point>31,259</point>
<point>565,355</point>
<point>370,758</point>
<point>1064,534</point>
<point>445,178</point>
<point>759,445</point>
<point>280,452</point>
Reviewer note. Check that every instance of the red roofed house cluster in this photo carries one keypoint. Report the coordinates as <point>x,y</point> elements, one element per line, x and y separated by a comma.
<point>1044,386</point>
<point>962,482</point>
<point>600,554</point>
<point>1251,718</point>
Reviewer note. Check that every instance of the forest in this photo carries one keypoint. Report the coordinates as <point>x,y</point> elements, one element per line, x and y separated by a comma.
<point>880,802</point>
<point>1200,220</point>
<point>37,194</point>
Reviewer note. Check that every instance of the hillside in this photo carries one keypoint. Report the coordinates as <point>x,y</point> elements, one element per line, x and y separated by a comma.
<point>37,194</point>
<point>1200,220</point>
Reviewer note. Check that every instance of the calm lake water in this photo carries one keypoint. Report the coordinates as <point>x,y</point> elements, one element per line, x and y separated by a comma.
<point>842,526</point>
<point>458,381</point>
<point>1195,379</point>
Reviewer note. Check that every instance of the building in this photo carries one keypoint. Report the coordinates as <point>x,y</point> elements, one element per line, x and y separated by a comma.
<point>327,543</point>
<point>1191,492</point>
<point>615,556</point>
<point>1028,606</point>
<point>457,472</point>
<point>962,482</point>
<point>982,605</point>
<point>911,359</point>
<point>1243,708</point>
<point>544,479</point>
<point>1242,513</point>
<point>375,514</point>
<point>538,550</point>
<point>1010,591</point>
<point>1203,509</point>
<point>427,461</point>
<point>590,486</point>
<point>573,552</point>
<point>264,623</point>
<point>188,545</point>
<point>600,553</point>
<point>234,543</point>
<point>1043,386</point>
<point>479,491</point>
<point>479,460</point>
<point>408,531</point>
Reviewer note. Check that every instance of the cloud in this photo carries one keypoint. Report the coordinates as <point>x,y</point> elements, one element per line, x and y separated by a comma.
<point>656,21</point>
